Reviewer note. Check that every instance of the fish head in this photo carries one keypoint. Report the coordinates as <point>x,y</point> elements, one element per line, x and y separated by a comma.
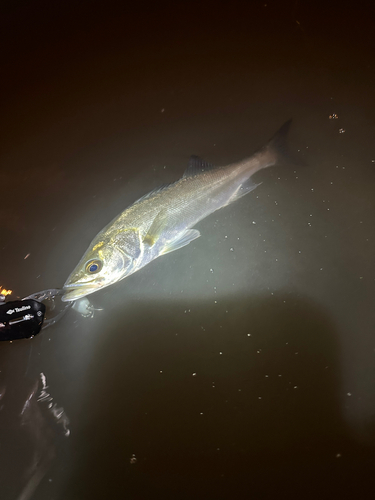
<point>104,263</point>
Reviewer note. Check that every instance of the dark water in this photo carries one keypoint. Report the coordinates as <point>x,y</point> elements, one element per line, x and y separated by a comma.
<point>242,366</point>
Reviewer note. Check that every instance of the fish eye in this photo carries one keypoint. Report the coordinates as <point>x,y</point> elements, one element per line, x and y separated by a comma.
<point>94,266</point>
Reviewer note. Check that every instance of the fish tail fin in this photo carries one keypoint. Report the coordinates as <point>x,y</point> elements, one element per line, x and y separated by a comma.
<point>276,150</point>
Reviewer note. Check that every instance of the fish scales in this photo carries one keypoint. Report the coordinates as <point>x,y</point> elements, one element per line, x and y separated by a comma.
<point>163,220</point>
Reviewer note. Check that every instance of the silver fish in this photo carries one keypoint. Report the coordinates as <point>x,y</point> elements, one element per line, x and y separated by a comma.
<point>161,221</point>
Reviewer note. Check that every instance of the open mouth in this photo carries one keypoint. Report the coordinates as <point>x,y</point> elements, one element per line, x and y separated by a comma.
<point>77,291</point>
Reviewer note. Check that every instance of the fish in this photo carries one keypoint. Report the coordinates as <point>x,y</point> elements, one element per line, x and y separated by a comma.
<point>163,220</point>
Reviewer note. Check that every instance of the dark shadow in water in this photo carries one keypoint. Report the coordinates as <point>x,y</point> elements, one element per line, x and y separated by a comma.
<point>232,415</point>
<point>33,427</point>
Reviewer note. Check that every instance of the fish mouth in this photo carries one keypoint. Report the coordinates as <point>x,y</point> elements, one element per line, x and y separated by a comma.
<point>78,291</point>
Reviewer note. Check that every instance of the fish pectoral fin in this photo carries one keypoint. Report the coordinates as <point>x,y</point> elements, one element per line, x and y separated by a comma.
<point>156,228</point>
<point>184,239</point>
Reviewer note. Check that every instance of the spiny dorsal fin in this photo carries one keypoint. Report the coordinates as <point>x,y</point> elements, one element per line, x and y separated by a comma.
<point>153,192</point>
<point>197,166</point>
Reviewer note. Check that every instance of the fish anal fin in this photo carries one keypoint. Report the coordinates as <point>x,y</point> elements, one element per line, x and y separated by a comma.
<point>197,166</point>
<point>182,240</point>
<point>244,189</point>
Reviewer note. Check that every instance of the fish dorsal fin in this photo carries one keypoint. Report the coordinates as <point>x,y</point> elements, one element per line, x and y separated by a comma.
<point>197,166</point>
<point>153,193</point>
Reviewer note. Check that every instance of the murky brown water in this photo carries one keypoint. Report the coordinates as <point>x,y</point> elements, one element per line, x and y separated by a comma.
<point>241,366</point>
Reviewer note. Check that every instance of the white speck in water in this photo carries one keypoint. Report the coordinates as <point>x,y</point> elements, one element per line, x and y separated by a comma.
<point>338,455</point>
<point>266,376</point>
<point>161,371</point>
<point>220,352</point>
<point>348,393</point>
<point>259,397</point>
<point>162,110</point>
<point>254,222</point>
<point>321,269</point>
<point>279,375</point>
<point>225,236</point>
<point>295,387</point>
<point>249,334</point>
<point>26,256</point>
<point>201,413</point>
<point>231,249</point>
<point>333,116</point>
<point>194,374</point>
<point>341,131</point>
<point>312,189</point>
<point>211,270</point>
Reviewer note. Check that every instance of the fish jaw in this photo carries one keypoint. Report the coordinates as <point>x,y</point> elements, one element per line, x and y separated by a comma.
<point>75,292</point>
